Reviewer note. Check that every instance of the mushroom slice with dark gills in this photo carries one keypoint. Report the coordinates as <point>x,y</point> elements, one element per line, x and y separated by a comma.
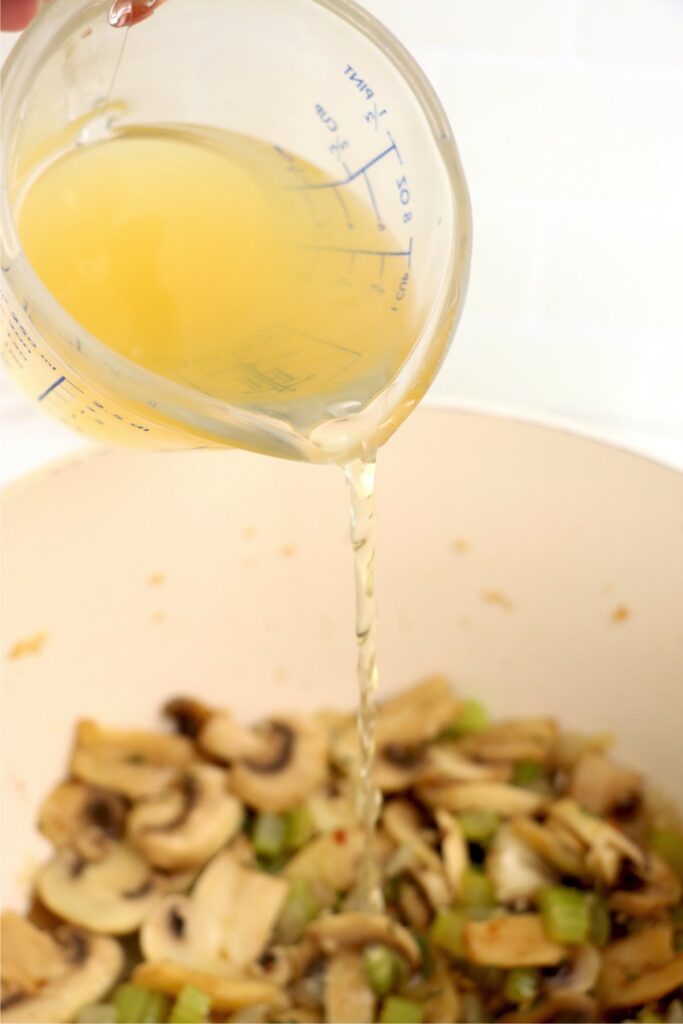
<point>128,761</point>
<point>184,826</point>
<point>85,817</point>
<point>46,978</point>
<point>112,895</point>
<point>275,766</point>
<point>223,926</point>
<point>405,725</point>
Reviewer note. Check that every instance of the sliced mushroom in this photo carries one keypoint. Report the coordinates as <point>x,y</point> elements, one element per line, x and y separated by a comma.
<point>434,885</point>
<point>330,813</point>
<point>129,762</point>
<point>110,896</point>
<point>632,958</point>
<point>274,768</point>
<point>600,785</point>
<point>405,724</point>
<point>445,762</point>
<point>454,851</point>
<point>348,996</point>
<point>653,984</point>
<point>184,826</point>
<point>188,715</point>
<point>512,940</point>
<point>580,1009</point>
<point>401,821</point>
<point>226,994</point>
<point>355,930</point>
<point>551,847</point>
<point>47,978</point>
<point>225,923</point>
<point>482,796</point>
<point>515,870</point>
<point>417,715</point>
<point>582,976</point>
<point>526,739</point>
<point>329,860</point>
<point>606,847</point>
<point>660,889</point>
<point>413,904</point>
<point>85,817</point>
<point>284,965</point>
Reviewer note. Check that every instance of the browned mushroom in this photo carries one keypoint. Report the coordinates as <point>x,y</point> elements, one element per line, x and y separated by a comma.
<point>482,796</point>
<point>511,940</point>
<point>628,961</point>
<point>526,739</point>
<point>659,889</point>
<point>600,785</point>
<point>354,930</point>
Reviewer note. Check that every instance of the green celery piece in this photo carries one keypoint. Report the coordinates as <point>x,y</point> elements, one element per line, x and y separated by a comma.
<point>566,914</point>
<point>396,1010</point>
<point>192,1006</point>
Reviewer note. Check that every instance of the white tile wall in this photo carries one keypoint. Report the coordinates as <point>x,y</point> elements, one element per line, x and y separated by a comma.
<point>569,119</point>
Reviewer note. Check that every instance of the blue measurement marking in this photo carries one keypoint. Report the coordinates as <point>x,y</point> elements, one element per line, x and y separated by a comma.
<point>365,252</point>
<point>391,140</point>
<point>350,176</point>
<point>48,391</point>
<point>380,223</point>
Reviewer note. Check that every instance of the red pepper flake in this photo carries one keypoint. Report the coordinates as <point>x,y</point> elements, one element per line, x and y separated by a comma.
<point>339,836</point>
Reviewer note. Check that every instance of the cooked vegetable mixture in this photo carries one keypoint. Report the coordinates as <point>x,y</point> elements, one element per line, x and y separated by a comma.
<point>208,875</point>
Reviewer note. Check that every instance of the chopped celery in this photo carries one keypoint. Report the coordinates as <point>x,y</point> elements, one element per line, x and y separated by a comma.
<point>479,826</point>
<point>299,828</point>
<point>269,834</point>
<point>472,1009</point>
<point>138,1005</point>
<point>525,773</point>
<point>380,968</point>
<point>668,843</point>
<point>396,1010</point>
<point>192,1006</point>
<point>472,717</point>
<point>522,985</point>
<point>600,921</point>
<point>446,931</point>
<point>477,890</point>
<point>566,914</point>
<point>98,1013</point>
<point>300,907</point>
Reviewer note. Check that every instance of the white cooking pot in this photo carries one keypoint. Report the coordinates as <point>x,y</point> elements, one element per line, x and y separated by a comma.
<point>542,572</point>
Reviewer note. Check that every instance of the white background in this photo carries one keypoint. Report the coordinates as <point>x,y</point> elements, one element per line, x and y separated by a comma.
<point>569,119</point>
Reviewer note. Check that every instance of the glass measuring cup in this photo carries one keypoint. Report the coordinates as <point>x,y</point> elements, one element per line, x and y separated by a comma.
<point>317,78</point>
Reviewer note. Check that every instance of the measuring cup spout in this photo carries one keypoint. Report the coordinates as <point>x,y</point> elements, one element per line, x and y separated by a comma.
<point>124,13</point>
